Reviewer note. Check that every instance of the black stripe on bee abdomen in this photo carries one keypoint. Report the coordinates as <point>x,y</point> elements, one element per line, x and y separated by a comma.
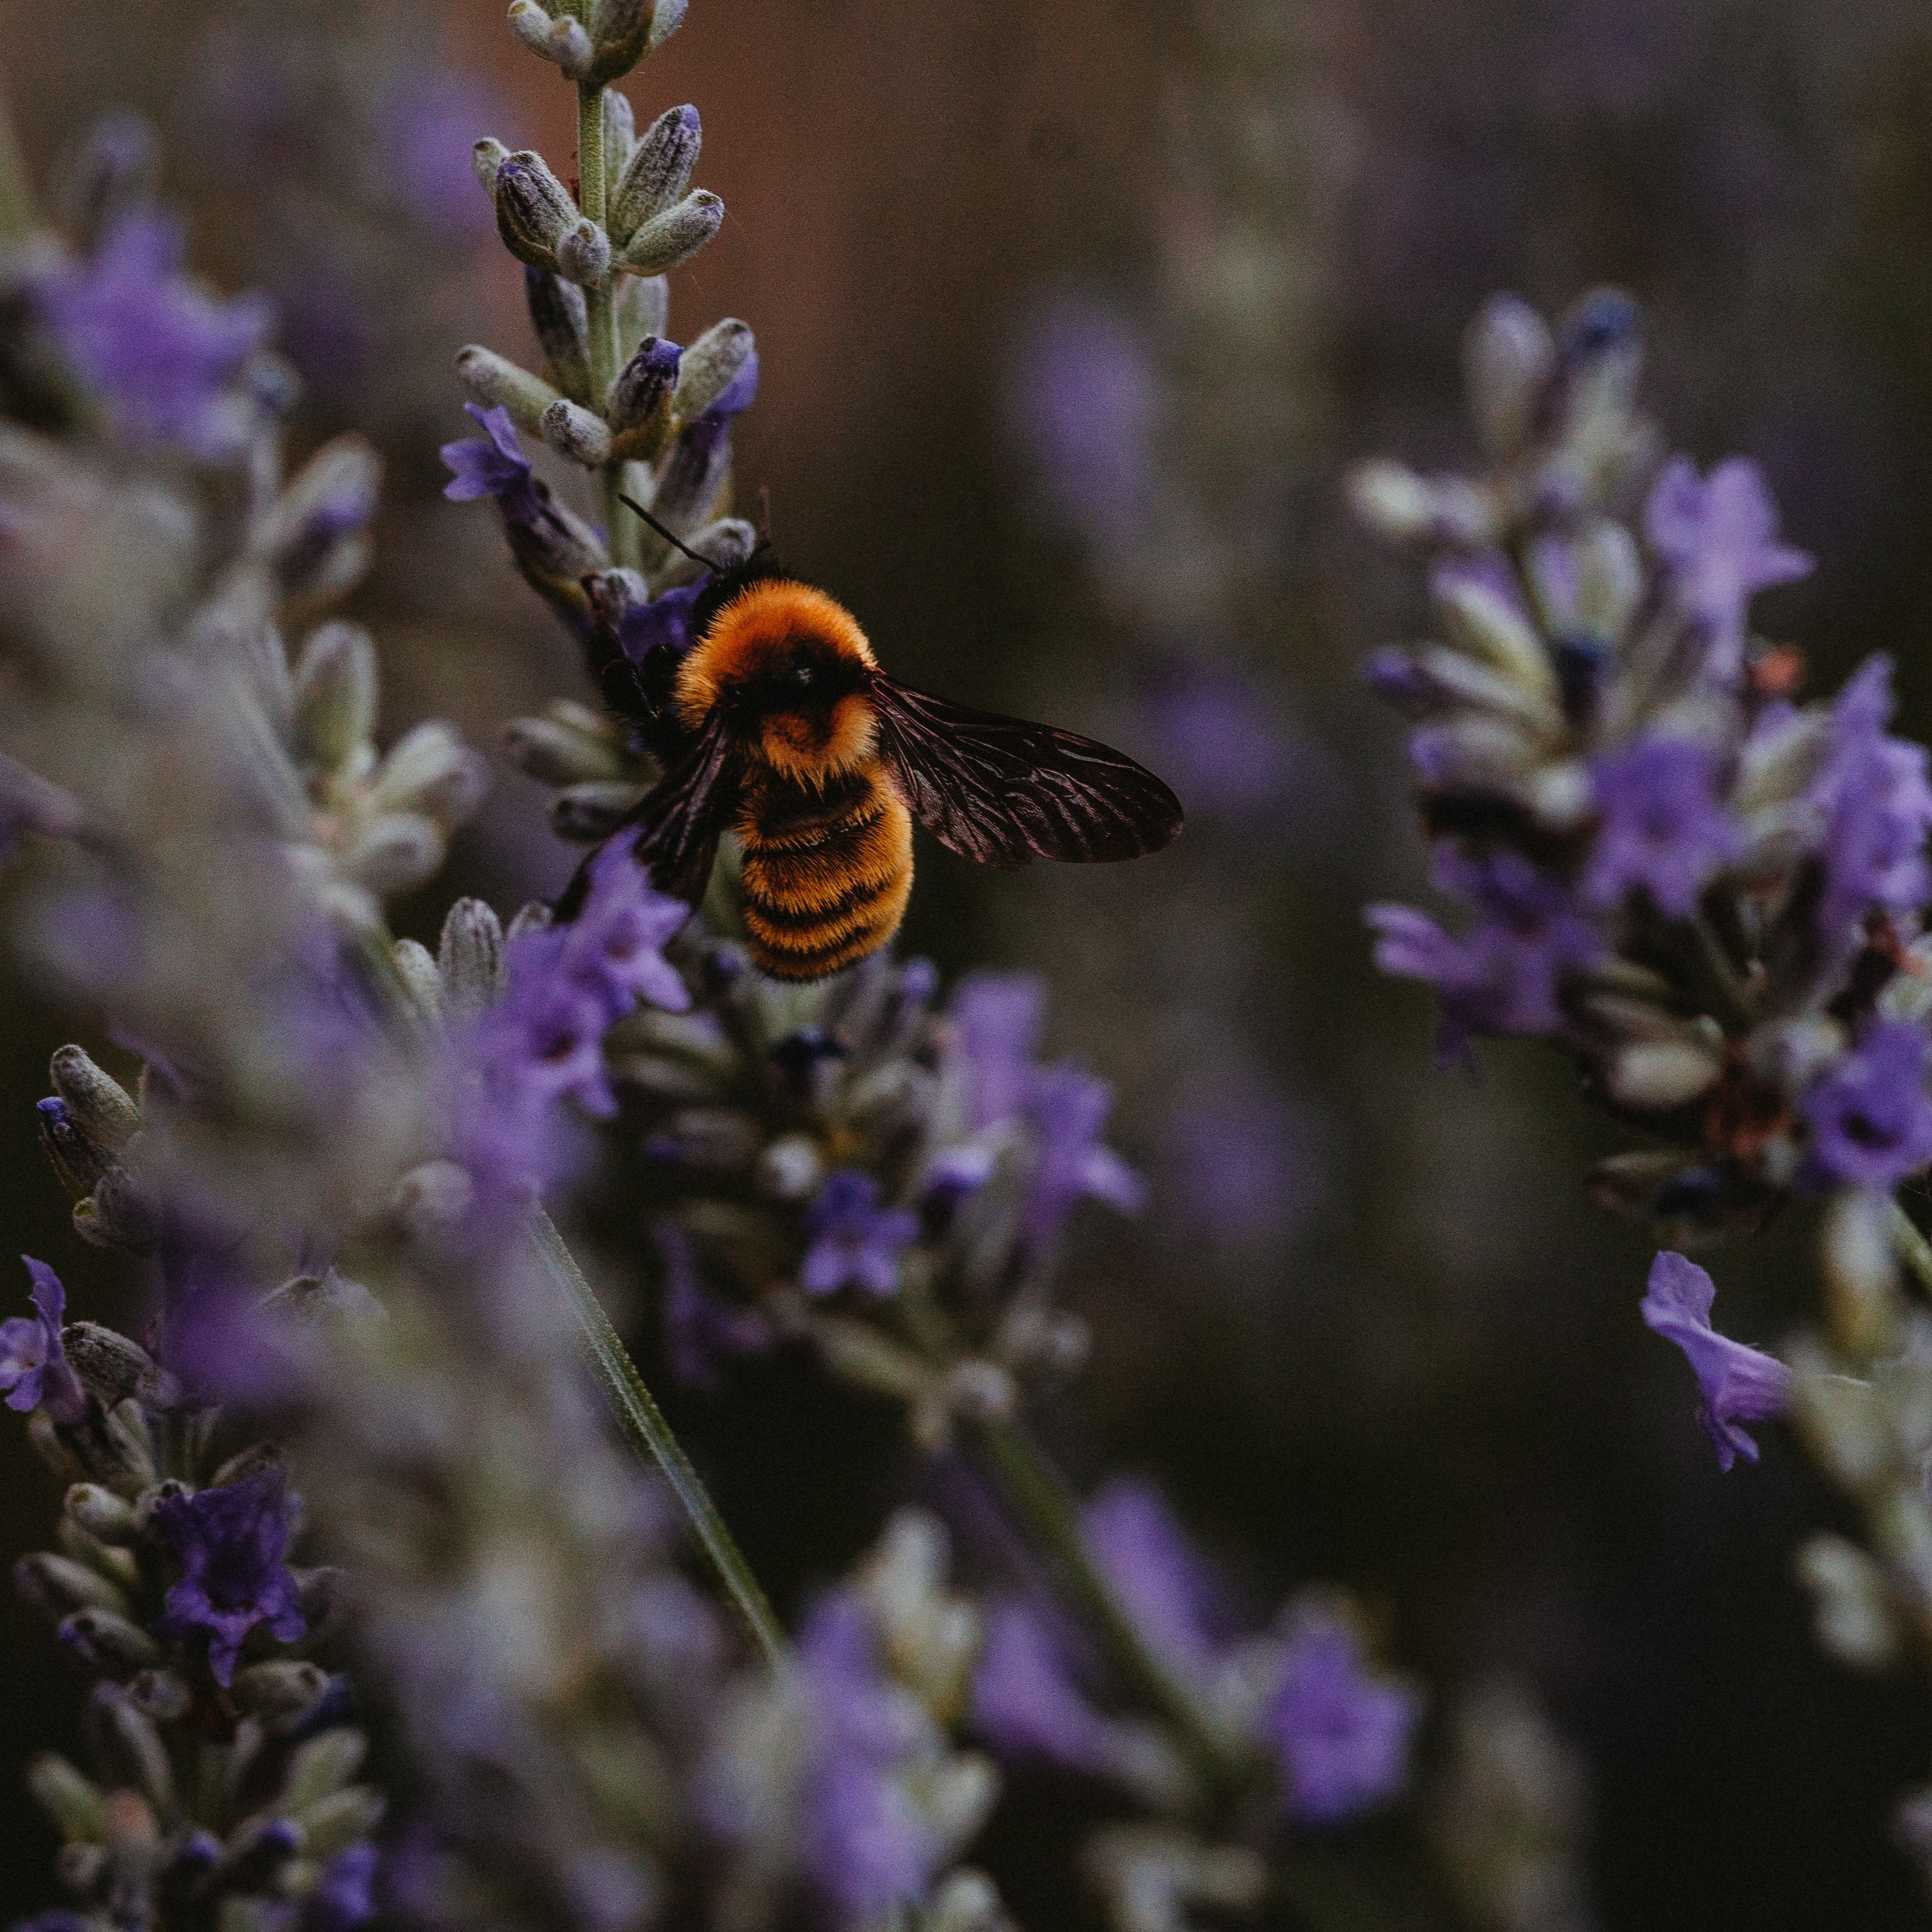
<point>826,879</point>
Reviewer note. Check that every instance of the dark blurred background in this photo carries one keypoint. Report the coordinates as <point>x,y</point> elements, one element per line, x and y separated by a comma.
<point>1071,317</point>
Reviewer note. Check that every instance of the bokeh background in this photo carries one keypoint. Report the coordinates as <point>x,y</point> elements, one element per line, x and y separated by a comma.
<point>1071,318</point>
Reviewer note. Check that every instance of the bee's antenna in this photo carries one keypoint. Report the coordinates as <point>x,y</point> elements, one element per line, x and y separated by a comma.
<point>670,537</point>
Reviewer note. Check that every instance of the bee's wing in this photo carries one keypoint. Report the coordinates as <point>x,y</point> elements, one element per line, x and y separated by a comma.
<point>1005,792</point>
<point>673,829</point>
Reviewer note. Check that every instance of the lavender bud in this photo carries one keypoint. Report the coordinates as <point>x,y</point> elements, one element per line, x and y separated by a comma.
<point>790,1168</point>
<point>397,851</point>
<point>720,1139</point>
<point>981,1391</point>
<point>562,41</point>
<point>430,770</point>
<point>493,379</point>
<point>277,1691</point>
<point>586,814</point>
<point>415,967</point>
<point>127,1740</point>
<point>673,237</point>
<point>658,173</point>
<point>584,255</point>
<point>638,405</point>
<point>74,1802</point>
<point>558,754</point>
<point>119,1214</point>
<point>469,958</point>
<point>160,1695</point>
<point>1860,1279</point>
<point>107,1644</point>
<point>79,1163</point>
<point>535,916</point>
<point>339,1820</point>
<point>80,1868</point>
<point>620,130</point>
<point>322,1767</point>
<point>534,209</point>
<point>148,1504</point>
<point>114,1369</point>
<point>624,30</point>
<point>314,534</point>
<point>1659,1074</point>
<point>711,365</point>
<point>1850,1602</point>
<point>558,317</point>
<point>106,1559</point>
<point>643,308</point>
<point>57,1586</point>
<point>335,696</point>
<point>105,1517</point>
<point>966,1901</point>
<point>572,431</point>
<point>118,1451</point>
<point>1508,357</point>
<point>728,542</point>
<point>100,1105</point>
<point>487,158</point>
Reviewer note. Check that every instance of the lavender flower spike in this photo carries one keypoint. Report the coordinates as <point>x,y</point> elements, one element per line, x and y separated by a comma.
<point>1342,1732</point>
<point>231,1544</point>
<point>34,1369</point>
<point>854,1241</point>
<point>1737,1384</point>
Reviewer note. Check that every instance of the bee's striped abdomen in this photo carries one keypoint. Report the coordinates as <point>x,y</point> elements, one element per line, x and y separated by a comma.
<point>827,872</point>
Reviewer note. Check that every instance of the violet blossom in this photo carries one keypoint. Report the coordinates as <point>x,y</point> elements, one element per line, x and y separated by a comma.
<point>35,1371</point>
<point>1663,829</point>
<point>1871,1117</point>
<point>853,1241</point>
<point>1341,1731</point>
<point>232,1544</point>
<point>1718,537</point>
<point>163,354</point>
<point>1736,1383</point>
<point>699,1329</point>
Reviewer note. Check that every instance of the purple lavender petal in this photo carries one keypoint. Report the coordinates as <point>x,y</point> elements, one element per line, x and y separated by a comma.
<point>1663,829</point>
<point>34,1368</point>
<point>1342,1732</point>
<point>853,1240</point>
<point>231,1544</point>
<point>1166,1587</point>
<point>996,1019</point>
<point>1871,1117</point>
<point>1736,1383</point>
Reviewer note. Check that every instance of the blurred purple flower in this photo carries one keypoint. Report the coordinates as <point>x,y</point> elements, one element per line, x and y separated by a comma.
<point>231,1544</point>
<point>1871,1117</point>
<point>1501,976</point>
<point>426,121</point>
<point>1341,1731</point>
<point>1663,828</point>
<point>1084,403</point>
<point>1736,1383</point>
<point>869,1849</point>
<point>1214,733</point>
<point>543,1041</point>
<point>1718,536</point>
<point>34,1368</point>
<point>854,1242</point>
<point>1067,1109</point>
<point>1877,804</point>
<point>1026,1704</point>
<point>996,1022</point>
<point>1158,1575</point>
<point>162,353</point>
<point>699,1329</point>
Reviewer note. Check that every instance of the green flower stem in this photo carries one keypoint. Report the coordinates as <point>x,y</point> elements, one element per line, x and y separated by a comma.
<point>600,307</point>
<point>643,1424</point>
<point>1910,1245</point>
<point>1038,1500</point>
<point>1032,1490</point>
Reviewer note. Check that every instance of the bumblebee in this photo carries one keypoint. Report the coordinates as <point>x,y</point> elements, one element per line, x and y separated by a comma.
<point>779,724</point>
